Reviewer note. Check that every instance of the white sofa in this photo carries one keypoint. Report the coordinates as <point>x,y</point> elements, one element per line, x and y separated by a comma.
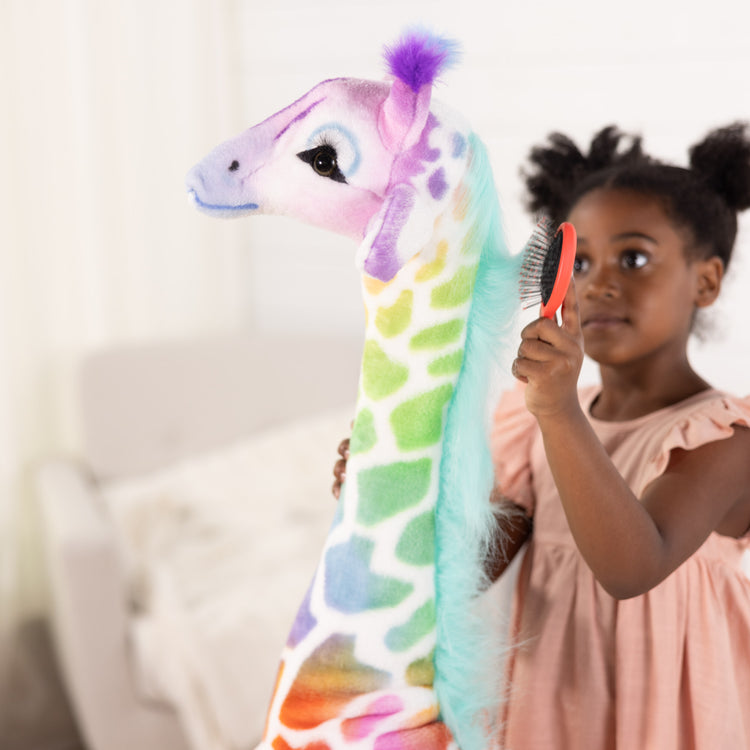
<point>180,543</point>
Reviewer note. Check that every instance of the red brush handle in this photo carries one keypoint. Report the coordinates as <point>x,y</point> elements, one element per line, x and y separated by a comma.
<point>564,270</point>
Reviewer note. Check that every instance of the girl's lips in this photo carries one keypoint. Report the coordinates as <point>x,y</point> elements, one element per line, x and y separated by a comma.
<point>603,321</point>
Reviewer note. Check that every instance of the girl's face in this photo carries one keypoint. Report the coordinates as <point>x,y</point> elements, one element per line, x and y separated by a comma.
<point>636,289</point>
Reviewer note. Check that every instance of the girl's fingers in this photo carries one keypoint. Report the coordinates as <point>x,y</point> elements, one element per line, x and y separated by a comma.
<point>516,370</point>
<point>548,349</point>
<point>343,449</point>
<point>571,319</point>
<point>536,349</point>
<point>339,469</point>
<point>546,331</point>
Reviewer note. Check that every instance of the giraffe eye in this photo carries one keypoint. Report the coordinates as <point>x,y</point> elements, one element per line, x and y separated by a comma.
<point>324,161</point>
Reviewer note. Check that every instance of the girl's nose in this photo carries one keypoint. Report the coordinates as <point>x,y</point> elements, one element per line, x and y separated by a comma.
<point>600,283</point>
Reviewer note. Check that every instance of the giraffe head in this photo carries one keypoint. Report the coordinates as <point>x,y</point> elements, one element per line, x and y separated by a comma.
<point>357,157</point>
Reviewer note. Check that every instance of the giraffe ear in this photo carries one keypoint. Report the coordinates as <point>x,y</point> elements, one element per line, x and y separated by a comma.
<point>403,115</point>
<point>399,226</point>
<point>406,219</point>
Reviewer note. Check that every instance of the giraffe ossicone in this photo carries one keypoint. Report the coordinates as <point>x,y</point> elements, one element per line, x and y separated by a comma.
<point>387,650</point>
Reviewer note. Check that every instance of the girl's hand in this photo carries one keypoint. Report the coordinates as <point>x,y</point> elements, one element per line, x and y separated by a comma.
<point>550,358</point>
<point>339,468</point>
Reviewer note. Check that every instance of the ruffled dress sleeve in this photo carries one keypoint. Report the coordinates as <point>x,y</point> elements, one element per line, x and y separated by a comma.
<point>711,420</point>
<point>512,435</point>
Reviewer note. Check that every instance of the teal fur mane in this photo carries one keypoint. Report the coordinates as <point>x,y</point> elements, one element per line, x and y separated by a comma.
<point>465,519</point>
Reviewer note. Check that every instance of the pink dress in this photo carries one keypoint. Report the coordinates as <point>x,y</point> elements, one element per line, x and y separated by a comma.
<point>668,670</point>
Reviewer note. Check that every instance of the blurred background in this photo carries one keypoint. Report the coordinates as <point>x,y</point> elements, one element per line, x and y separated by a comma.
<point>105,104</point>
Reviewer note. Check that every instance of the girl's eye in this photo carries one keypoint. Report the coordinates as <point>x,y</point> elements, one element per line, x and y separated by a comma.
<point>632,259</point>
<point>581,264</point>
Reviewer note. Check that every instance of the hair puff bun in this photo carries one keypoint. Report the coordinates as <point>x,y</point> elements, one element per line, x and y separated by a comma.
<point>722,160</point>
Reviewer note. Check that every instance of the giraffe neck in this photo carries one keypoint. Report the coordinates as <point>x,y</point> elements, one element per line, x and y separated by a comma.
<point>365,640</point>
<point>414,346</point>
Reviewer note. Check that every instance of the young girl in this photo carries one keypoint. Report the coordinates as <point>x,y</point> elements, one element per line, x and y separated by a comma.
<point>631,612</point>
<point>631,608</point>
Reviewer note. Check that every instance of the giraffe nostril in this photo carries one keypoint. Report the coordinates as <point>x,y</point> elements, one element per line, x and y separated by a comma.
<point>234,166</point>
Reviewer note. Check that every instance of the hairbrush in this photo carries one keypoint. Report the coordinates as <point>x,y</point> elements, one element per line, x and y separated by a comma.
<point>547,265</point>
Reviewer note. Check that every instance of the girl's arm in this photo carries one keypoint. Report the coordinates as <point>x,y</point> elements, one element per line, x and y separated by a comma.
<point>630,544</point>
<point>514,527</point>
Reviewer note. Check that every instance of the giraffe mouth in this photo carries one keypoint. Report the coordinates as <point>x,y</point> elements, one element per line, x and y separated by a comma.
<point>221,208</point>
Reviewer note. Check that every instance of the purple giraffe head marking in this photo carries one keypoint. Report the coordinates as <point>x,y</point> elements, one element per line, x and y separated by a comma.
<point>298,118</point>
<point>437,184</point>
<point>459,145</point>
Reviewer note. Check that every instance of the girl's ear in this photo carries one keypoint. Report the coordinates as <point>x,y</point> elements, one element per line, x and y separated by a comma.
<point>710,272</point>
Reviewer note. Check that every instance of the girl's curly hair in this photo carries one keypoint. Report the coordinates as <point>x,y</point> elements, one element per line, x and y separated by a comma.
<point>704,197</point>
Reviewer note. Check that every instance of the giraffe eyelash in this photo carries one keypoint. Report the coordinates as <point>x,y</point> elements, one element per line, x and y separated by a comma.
<point>324,140</point>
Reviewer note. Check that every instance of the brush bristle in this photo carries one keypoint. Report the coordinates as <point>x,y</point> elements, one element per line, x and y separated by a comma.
<point>541,256</point>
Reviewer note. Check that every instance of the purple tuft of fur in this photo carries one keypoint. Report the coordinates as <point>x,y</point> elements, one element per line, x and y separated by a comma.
<point>418,57</point>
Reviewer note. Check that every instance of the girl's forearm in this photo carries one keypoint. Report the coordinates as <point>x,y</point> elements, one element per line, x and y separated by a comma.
<point>614,533</point>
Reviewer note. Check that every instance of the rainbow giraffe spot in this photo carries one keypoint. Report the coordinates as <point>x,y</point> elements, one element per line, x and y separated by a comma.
<point>350,585</point>
<point>417,543</point>
<point>432,736</point>
<point>394,320</point>
<point>438,336</point>
<point>304,622</point>
<point>422,622</point>
<point>456,291</point>
<point>372,285</point>
<point>462,198</point>
<point>364,436</point>
<point>418,422</point>
<point>435,267</point>
<point>449,364</point>
<point>381,376</point>
<point>389,489</point>
<point>470,244</point>
<point>421,673</point>
<point>280,743</point>
<point>363,726</point>
<point>459,145</point>
<point>328,681</point>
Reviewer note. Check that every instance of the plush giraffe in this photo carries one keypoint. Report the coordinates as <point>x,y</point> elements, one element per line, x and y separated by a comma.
<point>387,650</point>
